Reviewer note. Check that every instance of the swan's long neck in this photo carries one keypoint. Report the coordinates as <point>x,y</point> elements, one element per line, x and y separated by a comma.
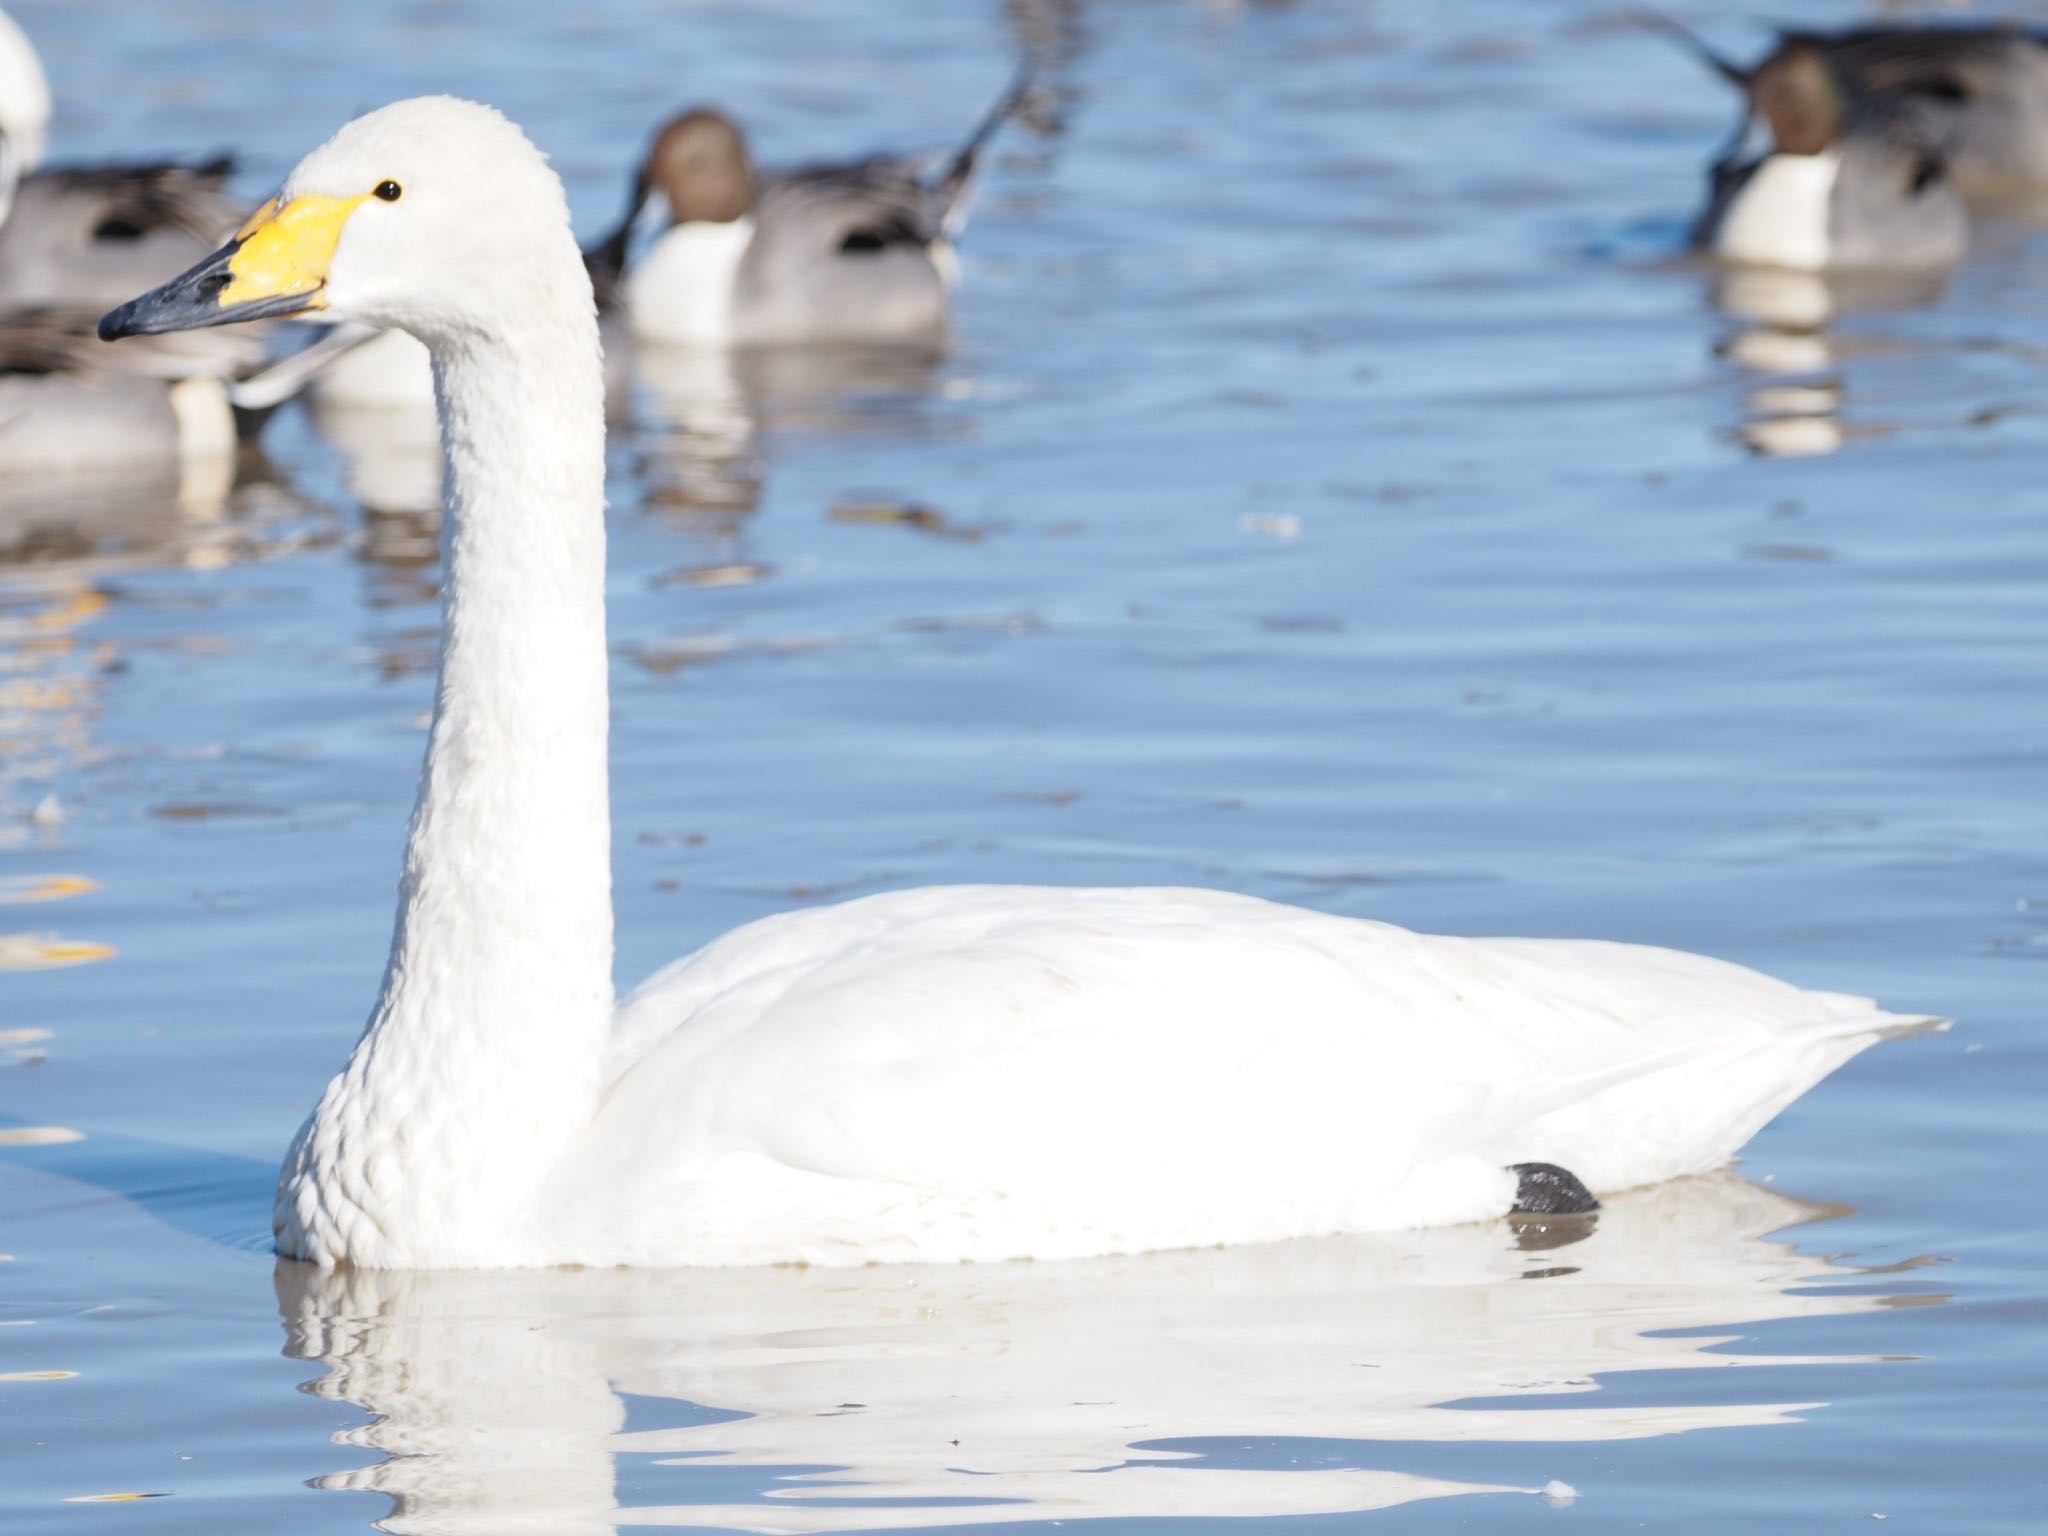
<point>483,1055</point>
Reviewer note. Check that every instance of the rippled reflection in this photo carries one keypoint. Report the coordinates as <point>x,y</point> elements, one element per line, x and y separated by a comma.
<point>808,1400</point>
<point>1782,340</point>
<point>703,413</point>
<point>699,451</point>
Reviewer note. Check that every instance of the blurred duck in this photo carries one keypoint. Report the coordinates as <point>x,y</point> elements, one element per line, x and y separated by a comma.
<point>83,235</point>
<point>86,235</point>
<point>1981,92</point>
<point>1846,178</point>
<point>859,250</point>
<point>1984,90</point>
<point>76,239</point>
<point>69,402</point>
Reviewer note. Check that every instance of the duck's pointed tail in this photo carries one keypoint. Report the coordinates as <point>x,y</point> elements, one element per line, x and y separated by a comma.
<point>1656,21</point>
<point>1693,1106</point>
<point>955,186</point>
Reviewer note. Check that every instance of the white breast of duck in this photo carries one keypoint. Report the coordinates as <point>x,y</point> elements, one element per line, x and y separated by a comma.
<point>682,290</point>
<point>1780,216</point>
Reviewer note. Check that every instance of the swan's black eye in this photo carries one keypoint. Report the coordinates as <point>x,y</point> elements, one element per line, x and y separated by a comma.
<point>390,191</point>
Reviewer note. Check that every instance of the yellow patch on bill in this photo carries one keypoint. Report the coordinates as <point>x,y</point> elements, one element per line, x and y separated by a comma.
<point>285,250</point>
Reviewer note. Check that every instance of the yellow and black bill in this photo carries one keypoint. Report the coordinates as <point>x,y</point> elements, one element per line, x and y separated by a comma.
<point>276,265</point>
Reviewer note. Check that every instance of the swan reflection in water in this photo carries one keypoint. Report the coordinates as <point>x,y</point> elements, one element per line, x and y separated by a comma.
<point>816,1399</point>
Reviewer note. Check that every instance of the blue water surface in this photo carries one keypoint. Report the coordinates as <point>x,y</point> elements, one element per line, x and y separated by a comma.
<point>1339,488</point>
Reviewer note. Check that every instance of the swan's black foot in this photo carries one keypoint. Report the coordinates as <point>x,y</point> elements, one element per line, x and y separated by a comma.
<point>1544,1189</point>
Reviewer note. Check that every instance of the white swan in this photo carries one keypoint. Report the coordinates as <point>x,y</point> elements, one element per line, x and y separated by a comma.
<point>75,239</point>
<point>971,1073</point>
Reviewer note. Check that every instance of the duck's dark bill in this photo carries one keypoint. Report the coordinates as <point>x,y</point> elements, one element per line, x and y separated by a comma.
<point>201,297</point>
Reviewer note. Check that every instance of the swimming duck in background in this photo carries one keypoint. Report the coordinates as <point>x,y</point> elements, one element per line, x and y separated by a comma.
<point>1845,179</point>
<point>1984,91</point>
<point>976,1072</point>
<point>860,250</point>
<point>86,235</point>
<point>1981,91</point>
<point>76,239</point>
<point>69,403</point>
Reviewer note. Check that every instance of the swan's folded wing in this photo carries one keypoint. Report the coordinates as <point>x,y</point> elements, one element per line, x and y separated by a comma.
<point>1146,1067</point>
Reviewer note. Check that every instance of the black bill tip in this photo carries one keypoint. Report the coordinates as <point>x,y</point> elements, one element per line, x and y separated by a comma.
<point>116,323</point>
<point>192,300</point>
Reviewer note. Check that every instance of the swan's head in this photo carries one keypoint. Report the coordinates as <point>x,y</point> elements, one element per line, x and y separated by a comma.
<point>434,216</point>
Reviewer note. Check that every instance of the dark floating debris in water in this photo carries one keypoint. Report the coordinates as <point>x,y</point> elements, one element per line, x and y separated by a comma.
<point>732,573</point>
<point>909,514</point>
<point>211,810</point>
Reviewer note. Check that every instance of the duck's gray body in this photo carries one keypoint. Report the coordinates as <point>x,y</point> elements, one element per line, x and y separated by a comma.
<point>1888,208</point>
<point>846,253</point>
<point>91,235</point>
<point>1828,171</point>
<point>69,402</point>
<point>63,423</point>
<point>75,242</point>
<point>1981,91</point>
<point>849,251</point>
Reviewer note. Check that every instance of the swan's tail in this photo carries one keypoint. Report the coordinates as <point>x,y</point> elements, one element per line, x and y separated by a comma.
<point>1904,1026</point>
<point>1687,1110</point>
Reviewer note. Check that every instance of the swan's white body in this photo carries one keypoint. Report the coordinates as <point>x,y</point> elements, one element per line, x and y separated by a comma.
<point>991,1072</point>
<point>974,1073</point>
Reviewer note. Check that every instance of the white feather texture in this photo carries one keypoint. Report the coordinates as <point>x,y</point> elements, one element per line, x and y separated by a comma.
<point>942,1074</point>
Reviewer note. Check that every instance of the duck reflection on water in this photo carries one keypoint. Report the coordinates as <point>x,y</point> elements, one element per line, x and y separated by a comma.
<point>1781,338</point>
